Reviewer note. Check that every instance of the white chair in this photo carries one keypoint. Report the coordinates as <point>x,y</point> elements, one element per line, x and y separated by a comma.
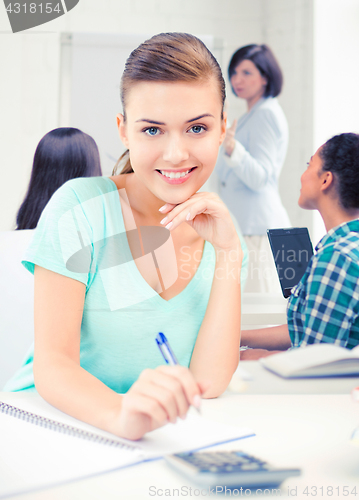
<point>16,302</point>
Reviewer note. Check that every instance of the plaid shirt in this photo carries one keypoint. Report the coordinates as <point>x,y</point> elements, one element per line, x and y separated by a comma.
<point>324,306</point>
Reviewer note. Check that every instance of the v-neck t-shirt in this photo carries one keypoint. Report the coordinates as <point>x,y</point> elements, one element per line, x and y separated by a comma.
<point>81,234</point>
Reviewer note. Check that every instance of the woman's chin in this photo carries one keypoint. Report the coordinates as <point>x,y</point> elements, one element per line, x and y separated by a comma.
<point>177,199</point>
<point>306,205</point>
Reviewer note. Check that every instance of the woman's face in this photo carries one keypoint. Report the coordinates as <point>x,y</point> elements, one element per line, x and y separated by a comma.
<point>247,81</point>
<point>311,183</point>
<point>173,132</point>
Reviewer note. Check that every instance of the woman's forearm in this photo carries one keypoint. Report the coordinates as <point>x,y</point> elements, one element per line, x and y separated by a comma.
<point>272,338</point>
<point>70,388</point>
<point>216,353</point>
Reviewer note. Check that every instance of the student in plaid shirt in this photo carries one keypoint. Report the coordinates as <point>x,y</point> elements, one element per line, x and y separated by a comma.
<point>324,306</point>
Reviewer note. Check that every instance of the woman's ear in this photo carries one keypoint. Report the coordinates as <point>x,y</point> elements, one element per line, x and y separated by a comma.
<point>122,129</point>
<point>223,128</point>
<point>327,180</point>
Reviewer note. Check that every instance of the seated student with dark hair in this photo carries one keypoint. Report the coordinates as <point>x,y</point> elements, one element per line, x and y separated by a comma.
<point>324,306</point>
<point>62,154</point>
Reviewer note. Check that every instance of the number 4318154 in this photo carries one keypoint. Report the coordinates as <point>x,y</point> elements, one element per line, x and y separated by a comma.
<point>330,491</point>
<point>16,8</point>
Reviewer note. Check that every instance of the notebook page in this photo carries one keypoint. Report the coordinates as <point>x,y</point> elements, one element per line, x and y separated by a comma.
<point>193,433</point>
<point>32,456</point>
<point>34,403</point>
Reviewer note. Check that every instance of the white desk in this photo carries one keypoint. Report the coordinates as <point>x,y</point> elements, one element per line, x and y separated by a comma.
<point>263,309</point>
<point>311,432</point>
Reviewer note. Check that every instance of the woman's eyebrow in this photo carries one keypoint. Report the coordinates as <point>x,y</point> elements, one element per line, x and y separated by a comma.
<point>153,122</point>
<point>199,117</point>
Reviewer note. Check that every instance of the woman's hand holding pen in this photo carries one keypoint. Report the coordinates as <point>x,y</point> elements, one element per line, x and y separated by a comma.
<point>229,140</point>
<point>158,396</point>
<point>208,216</point>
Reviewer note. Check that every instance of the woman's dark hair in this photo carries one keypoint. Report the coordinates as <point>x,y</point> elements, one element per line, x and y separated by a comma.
<point>340,155</point>
<point>168,57</point>
<point>61,155</point>
<point>267,64</point>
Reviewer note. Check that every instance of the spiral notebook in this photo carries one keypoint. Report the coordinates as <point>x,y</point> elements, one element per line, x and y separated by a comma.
<point>41,447</point>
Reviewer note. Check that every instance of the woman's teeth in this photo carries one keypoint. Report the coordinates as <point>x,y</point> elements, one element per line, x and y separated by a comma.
<point>174,175</point>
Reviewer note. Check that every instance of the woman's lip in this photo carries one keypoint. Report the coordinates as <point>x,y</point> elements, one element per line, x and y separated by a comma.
<point>180,180</point>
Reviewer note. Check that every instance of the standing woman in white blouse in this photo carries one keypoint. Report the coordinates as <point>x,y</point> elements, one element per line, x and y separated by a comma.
<point>251,159</point>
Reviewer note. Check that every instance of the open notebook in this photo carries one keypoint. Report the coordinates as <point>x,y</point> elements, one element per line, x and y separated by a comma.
<point>40,446</point>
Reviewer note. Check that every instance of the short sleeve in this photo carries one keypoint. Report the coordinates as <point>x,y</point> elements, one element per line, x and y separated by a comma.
<point>63,241</point>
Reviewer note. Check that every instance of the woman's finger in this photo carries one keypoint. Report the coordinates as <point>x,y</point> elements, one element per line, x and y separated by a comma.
<point>167,391</point>
<point>189,212</point>
<point>134,402</point>
<point>233,127</point>
<point>185,205</point>
<point>173,385</point>
<point>167,207</point>
<point>189,386</point>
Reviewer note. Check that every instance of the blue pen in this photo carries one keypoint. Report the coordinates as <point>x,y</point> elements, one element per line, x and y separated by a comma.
<point>167,353</point>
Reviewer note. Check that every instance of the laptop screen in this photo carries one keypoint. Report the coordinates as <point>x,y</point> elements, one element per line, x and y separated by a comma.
<point>292,250</point>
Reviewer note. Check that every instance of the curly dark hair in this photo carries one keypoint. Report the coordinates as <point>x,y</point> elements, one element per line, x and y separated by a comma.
<point>340,155</point>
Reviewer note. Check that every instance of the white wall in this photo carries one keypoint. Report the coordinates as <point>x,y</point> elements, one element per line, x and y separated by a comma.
<point>29,73</point>
<point>288,30</point>
<point>336,74</point>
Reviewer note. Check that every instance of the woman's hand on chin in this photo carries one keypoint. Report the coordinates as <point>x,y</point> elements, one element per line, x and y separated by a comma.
<point>208,216</point>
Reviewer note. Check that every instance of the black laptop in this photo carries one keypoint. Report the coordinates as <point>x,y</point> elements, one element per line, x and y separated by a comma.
<point>292,251</point>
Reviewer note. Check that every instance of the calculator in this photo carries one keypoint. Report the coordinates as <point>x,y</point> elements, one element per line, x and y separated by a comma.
<point>229,468</point>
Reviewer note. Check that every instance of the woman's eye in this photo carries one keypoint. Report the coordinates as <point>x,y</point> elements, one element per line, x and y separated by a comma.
<point>246,72</point>
<point>197,129</point>
<point>152,131</point>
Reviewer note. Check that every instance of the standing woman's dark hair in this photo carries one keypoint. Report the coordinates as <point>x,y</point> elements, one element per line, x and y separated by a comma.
<point>267,64</point>
<point>62,154</point>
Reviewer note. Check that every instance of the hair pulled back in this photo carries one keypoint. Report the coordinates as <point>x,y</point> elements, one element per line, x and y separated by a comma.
<point>340,155</point>
<point>168,57</point>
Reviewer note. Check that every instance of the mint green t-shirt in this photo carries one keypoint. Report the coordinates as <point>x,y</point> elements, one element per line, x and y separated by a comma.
<point>81,235</point>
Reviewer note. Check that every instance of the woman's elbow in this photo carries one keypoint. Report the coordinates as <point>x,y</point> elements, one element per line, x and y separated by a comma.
<point>219,384</point>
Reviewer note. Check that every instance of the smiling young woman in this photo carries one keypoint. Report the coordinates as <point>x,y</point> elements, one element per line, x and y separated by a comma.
<point>96,320</point>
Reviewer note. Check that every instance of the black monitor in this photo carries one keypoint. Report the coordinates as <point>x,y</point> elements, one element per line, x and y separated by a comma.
<point>292,251</point>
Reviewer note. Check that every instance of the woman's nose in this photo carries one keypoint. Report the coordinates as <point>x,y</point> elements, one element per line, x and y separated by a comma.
<point>175,151</point>
<point>236,80</point>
